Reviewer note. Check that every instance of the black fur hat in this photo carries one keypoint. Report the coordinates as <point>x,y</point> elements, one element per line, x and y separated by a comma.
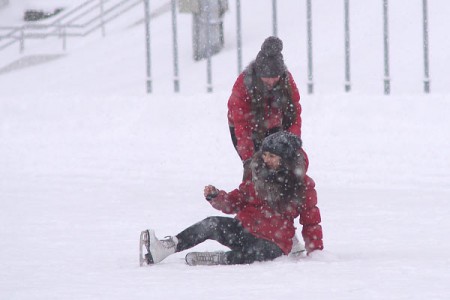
<point>269,61</point>
<point>283,144</point>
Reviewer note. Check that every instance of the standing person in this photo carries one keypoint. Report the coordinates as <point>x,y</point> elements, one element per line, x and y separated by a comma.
<point>264,100</point>
<point>265,205</point>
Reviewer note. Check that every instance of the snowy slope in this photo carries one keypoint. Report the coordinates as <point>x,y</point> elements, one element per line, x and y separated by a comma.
<point>88,160</point>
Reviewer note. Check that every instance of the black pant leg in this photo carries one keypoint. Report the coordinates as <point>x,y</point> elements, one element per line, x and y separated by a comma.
<point>246,248</point>
<point>255,249</point>
<point>225,230</point>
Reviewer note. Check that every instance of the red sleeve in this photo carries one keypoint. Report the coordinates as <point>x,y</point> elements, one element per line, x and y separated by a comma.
<point>310,218</point>
<point>239,116</point>
<point>296,127</point>
<point>234,201</point>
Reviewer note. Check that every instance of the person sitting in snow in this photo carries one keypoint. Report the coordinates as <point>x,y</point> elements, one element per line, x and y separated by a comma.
<point>264,100</point>
<point>265,204</point>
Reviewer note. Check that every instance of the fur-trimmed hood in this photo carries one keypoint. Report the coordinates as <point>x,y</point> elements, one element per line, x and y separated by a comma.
<point>279,188</point>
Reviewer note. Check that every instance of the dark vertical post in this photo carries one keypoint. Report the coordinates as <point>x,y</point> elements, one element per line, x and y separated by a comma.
<point>309,43</point>
<point>387,80</point>
<point>147,45</point>
<point>176,83</point>
<point>239,35</point>
<point>274,18</point>
<point>426,79</point>
<point>347,45</point>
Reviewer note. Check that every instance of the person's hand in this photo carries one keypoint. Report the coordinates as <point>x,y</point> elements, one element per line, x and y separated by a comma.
<point>210,192</point>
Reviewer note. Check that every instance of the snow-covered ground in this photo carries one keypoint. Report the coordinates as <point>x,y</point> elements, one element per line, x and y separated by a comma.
<point>88,160</point>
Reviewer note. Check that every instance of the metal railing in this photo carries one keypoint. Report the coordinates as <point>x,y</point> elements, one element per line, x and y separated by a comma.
<point>92,15</point>
<point>80,21</point>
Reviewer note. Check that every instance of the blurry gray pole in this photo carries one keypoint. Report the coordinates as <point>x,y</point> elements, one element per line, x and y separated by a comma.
<point>22,39</point>
<point>176,83</point>
<point>206,6</point>
<point>64,38</point>
<point>238,35</point>
<point>387,80</point>
<point>274,18</point>
<point>147,45</point>
<point>101,17</point>
<point>309,42</point>
<point>426,80</point>
<point>347,46</point>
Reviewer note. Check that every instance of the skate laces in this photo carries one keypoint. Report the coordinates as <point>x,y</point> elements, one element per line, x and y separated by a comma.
<point>169,242</point>
<point>209,257</point>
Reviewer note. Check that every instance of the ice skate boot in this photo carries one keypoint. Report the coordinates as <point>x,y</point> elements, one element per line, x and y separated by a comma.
<point>157,250</point>
<point>297,248</point>
<point>206,258</point>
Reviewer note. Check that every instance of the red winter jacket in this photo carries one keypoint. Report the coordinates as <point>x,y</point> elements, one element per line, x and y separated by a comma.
<point>263,222</point>
<point>241,118</point>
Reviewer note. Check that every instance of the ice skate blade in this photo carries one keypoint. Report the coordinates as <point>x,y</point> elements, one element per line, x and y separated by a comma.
<point>144,241</point>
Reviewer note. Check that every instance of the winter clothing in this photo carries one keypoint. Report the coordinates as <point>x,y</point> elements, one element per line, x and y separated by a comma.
<point>254,112</point>
<point>265,204</point>
<point>266,222</point>
<point>246,248</point>
<point>269,61</point>
<point>310,217</point>
<point>280,187</point>
<point>283,144</point>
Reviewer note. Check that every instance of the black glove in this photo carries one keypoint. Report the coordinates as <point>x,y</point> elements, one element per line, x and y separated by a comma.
<point>212,195</point>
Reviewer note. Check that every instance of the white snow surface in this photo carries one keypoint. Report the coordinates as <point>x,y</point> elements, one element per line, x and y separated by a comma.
<point>88,159</point>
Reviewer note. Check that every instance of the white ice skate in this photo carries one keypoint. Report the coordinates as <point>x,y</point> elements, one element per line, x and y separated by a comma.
<point>206,258</point>
<point>297,248</point>
<point>157,250</point>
